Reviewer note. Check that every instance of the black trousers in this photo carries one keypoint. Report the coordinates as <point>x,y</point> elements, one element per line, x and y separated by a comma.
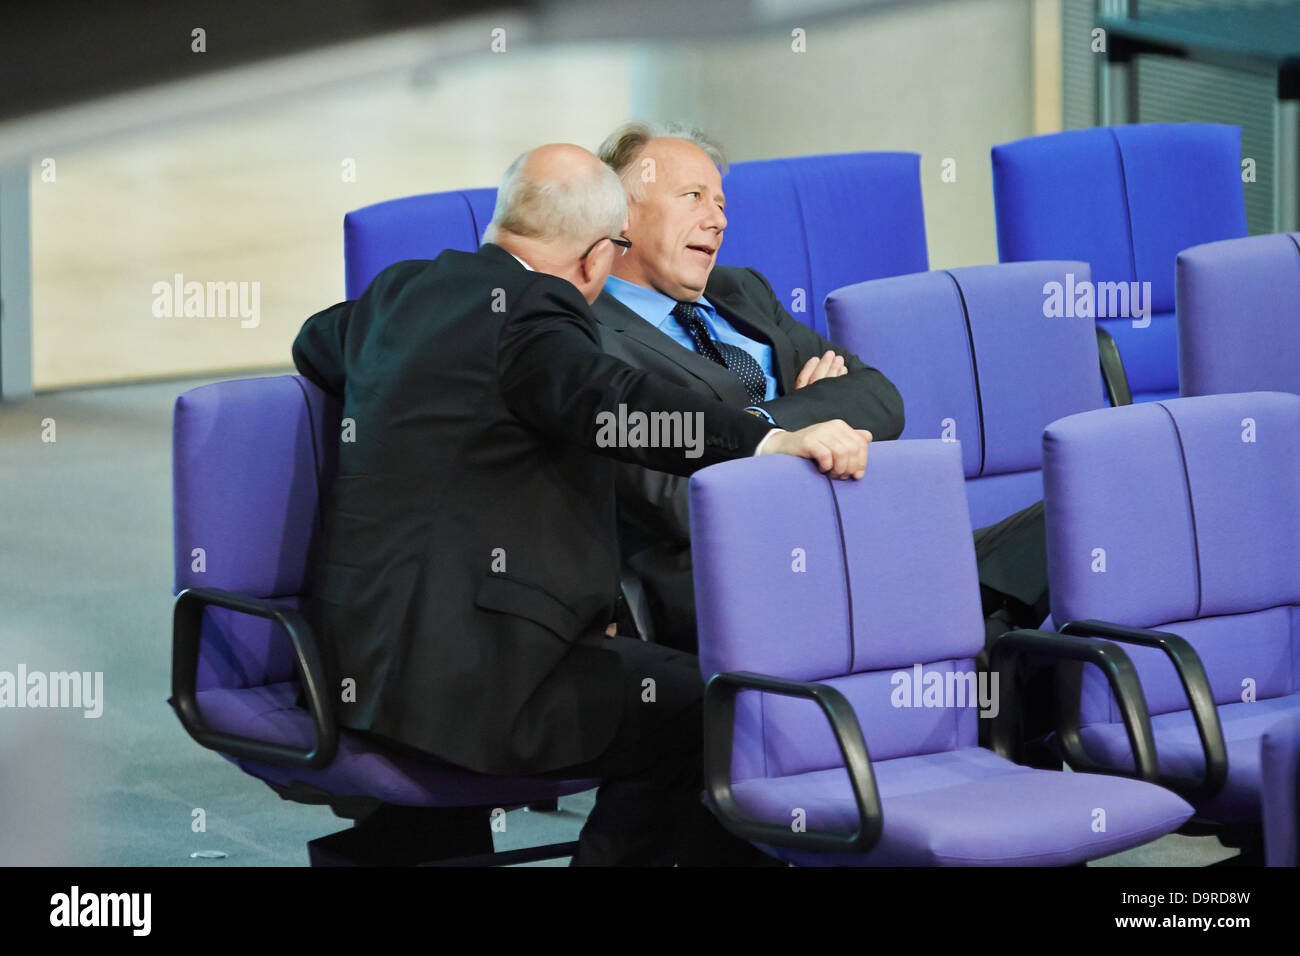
<point>1012,559</point>
<point>648,810</point>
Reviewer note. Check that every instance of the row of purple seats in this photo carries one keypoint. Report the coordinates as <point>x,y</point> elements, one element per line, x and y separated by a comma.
<point>1174,559</point>
<point>1123,199</point>
<point>810,224</point>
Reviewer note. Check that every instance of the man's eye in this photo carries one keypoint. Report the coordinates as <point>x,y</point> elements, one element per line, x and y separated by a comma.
<point>695,193</point>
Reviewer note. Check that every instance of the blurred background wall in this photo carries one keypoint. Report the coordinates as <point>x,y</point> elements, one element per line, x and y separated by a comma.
<point>257,193</point>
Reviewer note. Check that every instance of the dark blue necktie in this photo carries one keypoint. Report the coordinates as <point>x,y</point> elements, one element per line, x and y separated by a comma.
<point>729,356</point>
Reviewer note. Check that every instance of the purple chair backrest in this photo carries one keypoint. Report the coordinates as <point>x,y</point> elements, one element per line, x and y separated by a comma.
<point>1202,541</point>
<point>1126,200</point>
<point>1239,315</point>
<point>250,461</point>
<point>978,361</point>
<point>849,582</point>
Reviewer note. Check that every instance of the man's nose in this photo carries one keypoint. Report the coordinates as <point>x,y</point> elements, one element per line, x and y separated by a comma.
<point>717,220</point>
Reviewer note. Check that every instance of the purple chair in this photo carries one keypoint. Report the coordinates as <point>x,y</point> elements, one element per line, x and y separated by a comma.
<point>1126,200</point>
<point>1239,315</point>
<point>977,361</point>
<point>809,224</point>
<point>1197,562</point>
<point>1280,762</point>
<point>252,461</point>
<point>824,626</point>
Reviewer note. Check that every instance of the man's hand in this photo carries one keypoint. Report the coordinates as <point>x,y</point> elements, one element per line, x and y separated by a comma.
<point>840,451</point>
<point>830,365</point>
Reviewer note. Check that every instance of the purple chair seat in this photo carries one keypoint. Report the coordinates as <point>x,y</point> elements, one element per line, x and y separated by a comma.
<point>362,767</point>
<point>966,807</point>
<point>1180,752</point>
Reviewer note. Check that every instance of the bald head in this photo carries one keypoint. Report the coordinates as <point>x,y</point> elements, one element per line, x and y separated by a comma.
<point>560,162</point>
<point>554,203</point>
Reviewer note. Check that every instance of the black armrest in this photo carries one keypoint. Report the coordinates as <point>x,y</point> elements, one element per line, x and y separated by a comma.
<point>1114,663</point>
<point>1187,663</point>
<point>719,724</point>
<point>1112,370</point>
<point>186,632</point>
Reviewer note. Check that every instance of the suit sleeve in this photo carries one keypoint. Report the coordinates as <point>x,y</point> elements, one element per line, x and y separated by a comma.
<point>556,379</point>
<point>318,349</point>
<point>864,397</point>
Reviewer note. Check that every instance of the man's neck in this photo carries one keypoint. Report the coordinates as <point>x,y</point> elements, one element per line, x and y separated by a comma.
<point>637,279</point>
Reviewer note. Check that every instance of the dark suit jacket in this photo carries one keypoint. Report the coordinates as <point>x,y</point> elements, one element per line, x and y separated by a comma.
<point>653,510</point>
<point>474,386</point>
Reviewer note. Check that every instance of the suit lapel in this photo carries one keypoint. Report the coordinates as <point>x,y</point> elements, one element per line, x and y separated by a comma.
<point>724,383</point>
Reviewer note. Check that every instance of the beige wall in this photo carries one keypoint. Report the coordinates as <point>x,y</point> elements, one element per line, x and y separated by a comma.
<point>259,196</point>
<point>946,79</point>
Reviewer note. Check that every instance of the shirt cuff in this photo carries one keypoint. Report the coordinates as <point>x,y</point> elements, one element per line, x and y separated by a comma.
<point>761,413</point>
<point>759,449</point>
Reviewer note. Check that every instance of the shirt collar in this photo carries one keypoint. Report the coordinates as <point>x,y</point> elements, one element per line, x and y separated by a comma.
<point>522,263</point>
<point>651,304</point>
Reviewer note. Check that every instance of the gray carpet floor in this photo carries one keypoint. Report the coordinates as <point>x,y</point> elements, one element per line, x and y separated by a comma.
<point>85,584</point>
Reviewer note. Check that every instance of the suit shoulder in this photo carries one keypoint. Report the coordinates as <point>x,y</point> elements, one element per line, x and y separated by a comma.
<point>725,279</point>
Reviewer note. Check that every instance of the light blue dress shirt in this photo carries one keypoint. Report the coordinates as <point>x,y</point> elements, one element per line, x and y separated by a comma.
<point>657,309</point>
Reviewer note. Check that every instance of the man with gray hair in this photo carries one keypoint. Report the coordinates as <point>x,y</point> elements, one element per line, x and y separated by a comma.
<point>469,566</point>
<point>721,332</point>
<point>669,308</point>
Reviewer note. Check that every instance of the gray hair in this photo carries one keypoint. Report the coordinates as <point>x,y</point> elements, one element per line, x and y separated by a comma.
<point>578,211</point>
<point>622,148</point>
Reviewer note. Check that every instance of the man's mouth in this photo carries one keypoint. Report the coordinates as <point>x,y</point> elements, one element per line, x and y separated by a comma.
<point>702,249</point>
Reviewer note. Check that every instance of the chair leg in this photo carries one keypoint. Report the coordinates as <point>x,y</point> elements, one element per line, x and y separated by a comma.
<point>1247,837</point>
<point>406,836</point>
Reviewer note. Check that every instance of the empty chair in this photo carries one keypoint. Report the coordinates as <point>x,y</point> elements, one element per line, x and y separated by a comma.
<point>825,627</point>
<point>977,361</point>
<point>1174,526</point>
<point>1239,315</point>
<point>1126,200</point>
<point>809,224</point>
<point>252,461</point>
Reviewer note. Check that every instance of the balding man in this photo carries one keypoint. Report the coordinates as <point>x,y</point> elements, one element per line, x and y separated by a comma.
<point>470,562</point>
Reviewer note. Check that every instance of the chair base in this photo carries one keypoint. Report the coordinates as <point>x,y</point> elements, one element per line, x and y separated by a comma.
<point>406,836</point>
<point>1246,837</point>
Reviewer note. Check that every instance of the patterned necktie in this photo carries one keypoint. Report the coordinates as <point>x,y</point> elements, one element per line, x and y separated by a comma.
<point>729,356</point>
